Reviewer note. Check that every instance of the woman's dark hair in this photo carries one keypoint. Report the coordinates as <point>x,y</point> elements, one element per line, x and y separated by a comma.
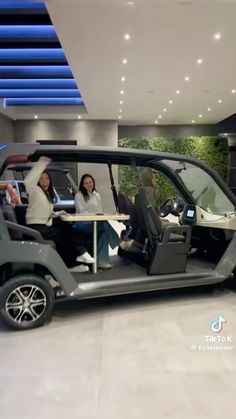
<point>50,192</point>
<point>81,187</point>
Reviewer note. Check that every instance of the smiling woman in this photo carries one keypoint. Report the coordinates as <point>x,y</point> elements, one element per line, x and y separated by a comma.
<point>88,201</point>
<point>41,217</point>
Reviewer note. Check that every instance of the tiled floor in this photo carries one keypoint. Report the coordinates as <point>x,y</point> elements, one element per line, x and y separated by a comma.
<point>123,357</point>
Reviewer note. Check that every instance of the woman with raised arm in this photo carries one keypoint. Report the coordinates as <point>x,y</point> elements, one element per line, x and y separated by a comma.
<point>88,201</point>
<point>41,217</point>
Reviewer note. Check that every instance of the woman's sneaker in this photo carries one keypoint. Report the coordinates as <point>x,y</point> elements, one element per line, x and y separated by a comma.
<point>85,258</point>
<point>79,268</point>
<point>126,245</point>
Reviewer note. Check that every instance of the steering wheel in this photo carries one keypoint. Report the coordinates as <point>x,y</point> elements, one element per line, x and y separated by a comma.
<point>172,206</point>
<point>167,208</point>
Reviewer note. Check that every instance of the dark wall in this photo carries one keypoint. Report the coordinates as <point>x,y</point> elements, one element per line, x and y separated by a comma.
<point>228,125</point>
<point>89,133</point>
<point>6,130</point>
<point>166,131</point>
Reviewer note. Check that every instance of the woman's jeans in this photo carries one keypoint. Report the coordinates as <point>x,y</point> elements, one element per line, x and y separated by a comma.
<point>106,236</point>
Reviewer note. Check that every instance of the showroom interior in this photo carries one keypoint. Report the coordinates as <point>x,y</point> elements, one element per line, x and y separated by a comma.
<point>157,75</point>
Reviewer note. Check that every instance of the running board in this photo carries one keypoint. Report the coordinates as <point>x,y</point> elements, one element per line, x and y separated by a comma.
<point>145,283</point>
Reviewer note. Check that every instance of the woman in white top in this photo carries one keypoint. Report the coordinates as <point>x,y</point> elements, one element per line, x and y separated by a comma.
<point>41,217</point>
<point>88,201</point>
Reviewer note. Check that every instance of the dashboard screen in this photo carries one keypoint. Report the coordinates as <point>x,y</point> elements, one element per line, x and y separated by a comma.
<point>190,213</point>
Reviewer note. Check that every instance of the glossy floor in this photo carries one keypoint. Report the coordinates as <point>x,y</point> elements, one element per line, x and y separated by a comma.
<point>125,357</point>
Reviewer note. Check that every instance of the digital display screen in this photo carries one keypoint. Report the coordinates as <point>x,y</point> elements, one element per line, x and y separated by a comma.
<point>190,213</point>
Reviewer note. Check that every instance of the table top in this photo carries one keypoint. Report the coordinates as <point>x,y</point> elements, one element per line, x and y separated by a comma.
<point>95,217</point>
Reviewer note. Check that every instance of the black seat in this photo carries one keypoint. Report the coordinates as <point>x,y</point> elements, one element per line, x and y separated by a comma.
<point>124,203</point>
<point>126,206</point>
<point>20,211</point>
<point>17,231</point>
<point>9,215</point>
<point>167,248</point>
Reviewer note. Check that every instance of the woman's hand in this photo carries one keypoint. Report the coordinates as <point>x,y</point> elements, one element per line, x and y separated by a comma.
<point>61,213</point>
<point>46,159</point>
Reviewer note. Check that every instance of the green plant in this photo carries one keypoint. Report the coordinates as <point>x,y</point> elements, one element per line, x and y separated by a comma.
<point>211,150</point>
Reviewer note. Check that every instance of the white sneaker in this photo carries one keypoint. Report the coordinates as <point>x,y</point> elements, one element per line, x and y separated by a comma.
<point>126,245</point>
<point>79,268</point>
<point>85,258</point>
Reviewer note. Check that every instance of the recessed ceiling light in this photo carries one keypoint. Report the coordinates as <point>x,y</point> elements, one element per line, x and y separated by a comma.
<point>156,122</point>
<point>217,36</point>
<point>35,116</point>
<point>130,3</point>
<point>193,122</point>
<point>79,117</point>
<point>121,102</point>
<point>159,116</point>
<point>219,101</point>
<point>200,115</point>
<point>120,110</point>
<point>123,78</point>
<point>124,61</point>
<point>170,101</point>
<point>233,91</point>
<point>119,117</point>
<point>187,78</point>
<point>127,36</point>
<point>164,110</point>
<point>209,109</point>
<point>122,92</point>
<point>199,61</point>
<point>177,92</point>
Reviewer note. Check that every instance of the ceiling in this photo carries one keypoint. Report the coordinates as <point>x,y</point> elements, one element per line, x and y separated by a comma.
<point>167,37</point>
<point>34,72</point>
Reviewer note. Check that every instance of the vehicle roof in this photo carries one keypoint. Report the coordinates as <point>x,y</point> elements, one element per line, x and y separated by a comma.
<point>102,154</point>
<point>106,155</point>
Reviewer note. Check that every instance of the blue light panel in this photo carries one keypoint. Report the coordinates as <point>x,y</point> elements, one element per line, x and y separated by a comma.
<point>21,5</point>
<point>35,71</point>
<point>27,32</point>
<point>43,102</point>
<point>32,54</point>
<point>34,85</point>
<point>38,84</point>
<point>26,93</point>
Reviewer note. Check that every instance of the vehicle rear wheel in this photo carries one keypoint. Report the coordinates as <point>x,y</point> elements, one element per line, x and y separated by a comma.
<point>26,301</point>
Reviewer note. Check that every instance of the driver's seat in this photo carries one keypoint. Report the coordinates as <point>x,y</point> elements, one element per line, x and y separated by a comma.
<point>164,245</point>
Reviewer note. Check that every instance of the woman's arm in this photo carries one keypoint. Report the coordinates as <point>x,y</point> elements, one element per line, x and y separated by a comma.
<point>32,178</point>
<point>80,203</point>
<point>99,203</point>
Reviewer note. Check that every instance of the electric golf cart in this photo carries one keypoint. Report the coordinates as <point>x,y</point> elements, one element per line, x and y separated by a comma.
<point>197,247</point>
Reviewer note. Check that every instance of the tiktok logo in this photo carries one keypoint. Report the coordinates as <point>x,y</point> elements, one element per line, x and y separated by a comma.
<point>217,325</point>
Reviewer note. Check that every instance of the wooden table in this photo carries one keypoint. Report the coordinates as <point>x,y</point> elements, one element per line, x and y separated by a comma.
<point>94,218</point>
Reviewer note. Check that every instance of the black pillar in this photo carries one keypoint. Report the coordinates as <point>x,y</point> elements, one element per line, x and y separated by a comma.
<point>232,162</point>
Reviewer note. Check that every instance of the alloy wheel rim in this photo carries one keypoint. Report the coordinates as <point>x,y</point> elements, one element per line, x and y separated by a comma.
<point>26,303</point>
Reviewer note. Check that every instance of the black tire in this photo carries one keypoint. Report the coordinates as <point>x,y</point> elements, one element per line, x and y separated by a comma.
<point>26,301</point>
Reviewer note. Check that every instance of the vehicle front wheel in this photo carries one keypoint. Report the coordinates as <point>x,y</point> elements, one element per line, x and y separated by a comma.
<point>26,301</point>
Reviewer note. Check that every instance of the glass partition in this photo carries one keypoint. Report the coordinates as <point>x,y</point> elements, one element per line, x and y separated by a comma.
<point>206,193</point>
